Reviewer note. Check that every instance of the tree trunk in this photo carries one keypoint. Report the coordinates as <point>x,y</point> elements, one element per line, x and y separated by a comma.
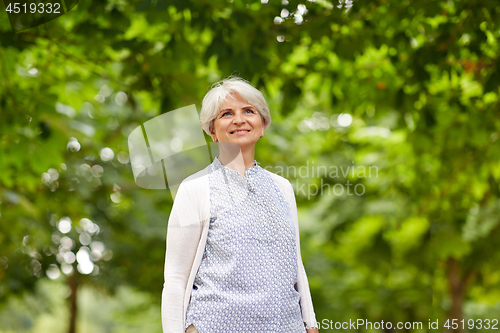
<point>458,284</point>
<point>73,285</point>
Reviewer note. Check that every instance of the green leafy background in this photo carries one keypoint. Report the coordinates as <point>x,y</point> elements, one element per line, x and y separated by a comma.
<point>420,80</point>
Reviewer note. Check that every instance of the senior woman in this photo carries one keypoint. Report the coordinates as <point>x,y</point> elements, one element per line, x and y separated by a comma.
<point>233,259</point>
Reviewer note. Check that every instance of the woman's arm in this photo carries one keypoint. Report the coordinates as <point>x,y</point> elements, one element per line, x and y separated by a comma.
<point>302,282</point>
<point>183,235</point>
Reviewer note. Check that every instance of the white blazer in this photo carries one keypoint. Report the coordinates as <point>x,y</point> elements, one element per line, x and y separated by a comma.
<point>186,237</point>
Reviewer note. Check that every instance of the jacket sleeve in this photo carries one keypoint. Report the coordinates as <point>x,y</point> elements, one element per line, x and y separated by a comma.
<point>306,304</point>
<point>183,234</point>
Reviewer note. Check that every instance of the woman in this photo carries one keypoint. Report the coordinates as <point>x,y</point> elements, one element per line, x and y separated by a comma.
<point>233,259</point>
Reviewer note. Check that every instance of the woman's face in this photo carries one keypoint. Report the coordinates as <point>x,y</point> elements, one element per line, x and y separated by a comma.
<point>238,122</point>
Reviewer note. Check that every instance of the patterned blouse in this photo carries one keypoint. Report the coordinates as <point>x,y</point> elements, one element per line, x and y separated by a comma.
<point>245,282</point>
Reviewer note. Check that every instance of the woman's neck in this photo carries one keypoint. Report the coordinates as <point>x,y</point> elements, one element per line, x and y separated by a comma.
<point>235,158</point>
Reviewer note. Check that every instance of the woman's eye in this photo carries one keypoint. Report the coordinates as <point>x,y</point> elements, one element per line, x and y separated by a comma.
<point>252,111</point>
<point>226,113</point>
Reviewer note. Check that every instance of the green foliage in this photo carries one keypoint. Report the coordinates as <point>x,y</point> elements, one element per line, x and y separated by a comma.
<point>419,79</point>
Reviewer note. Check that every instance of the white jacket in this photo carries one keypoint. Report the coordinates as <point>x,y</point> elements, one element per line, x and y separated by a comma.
<point>186,237</point>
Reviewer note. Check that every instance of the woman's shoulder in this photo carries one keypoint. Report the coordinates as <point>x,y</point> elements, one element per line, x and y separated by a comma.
<point>191,200</point>
<point>282,182</point>
<point>194,186</point>
<point>197,179</point>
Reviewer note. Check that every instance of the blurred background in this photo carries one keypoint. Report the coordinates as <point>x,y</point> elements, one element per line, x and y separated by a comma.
<point>390,106</point>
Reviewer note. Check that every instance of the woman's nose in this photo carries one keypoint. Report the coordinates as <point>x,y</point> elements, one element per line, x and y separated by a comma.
<point>238,118</point>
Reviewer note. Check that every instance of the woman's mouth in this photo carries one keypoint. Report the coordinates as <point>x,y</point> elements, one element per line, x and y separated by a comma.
<point>240,132</point>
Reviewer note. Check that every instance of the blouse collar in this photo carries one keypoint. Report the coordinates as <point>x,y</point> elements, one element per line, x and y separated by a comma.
<point>248,172</point>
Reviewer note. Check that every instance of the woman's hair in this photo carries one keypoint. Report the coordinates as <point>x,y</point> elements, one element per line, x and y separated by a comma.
<point>216,97</point>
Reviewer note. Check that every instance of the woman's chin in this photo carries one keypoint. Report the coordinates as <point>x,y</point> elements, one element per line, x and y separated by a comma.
<point>243,142</point>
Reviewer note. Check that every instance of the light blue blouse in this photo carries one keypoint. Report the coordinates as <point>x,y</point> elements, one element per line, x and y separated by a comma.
<point>245,282</point>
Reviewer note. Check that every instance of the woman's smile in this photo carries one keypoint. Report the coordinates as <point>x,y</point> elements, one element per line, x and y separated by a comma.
<point>240,132</point>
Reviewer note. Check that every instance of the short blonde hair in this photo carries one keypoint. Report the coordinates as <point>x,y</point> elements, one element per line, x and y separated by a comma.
<point>216,97</point>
